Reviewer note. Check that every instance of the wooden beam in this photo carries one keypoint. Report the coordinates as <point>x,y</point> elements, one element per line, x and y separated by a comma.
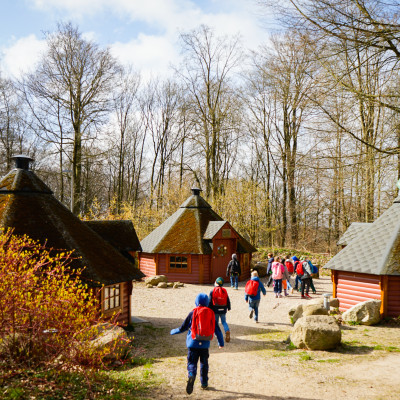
<point>384,294</point>
<point>334,282</point>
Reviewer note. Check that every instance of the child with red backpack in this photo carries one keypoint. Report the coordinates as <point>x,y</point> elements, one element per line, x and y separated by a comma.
<point>252,294</point>
<point>220,303</point>
<point>201,326</point>
<point>298,270</point>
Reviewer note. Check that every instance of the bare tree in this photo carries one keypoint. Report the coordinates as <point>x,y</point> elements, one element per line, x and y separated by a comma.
<point>209,63</point>
<point>69,96</point>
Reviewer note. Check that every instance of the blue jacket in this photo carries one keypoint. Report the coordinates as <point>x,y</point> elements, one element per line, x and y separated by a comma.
<point>261,288</point>
<point>201,300</point>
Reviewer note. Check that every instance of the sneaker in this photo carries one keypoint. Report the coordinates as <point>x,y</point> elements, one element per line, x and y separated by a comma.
<point>276,295</point>
<point>251,314</point>
<point>190,383</point>
<point>256,321</point>
<point>303,297</point>
<point>227,336</point>
<point>204,386</point>
<point>280,295</point>
<point>308,297</point>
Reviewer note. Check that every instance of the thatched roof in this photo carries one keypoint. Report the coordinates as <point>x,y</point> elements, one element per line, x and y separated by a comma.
<point>28,206</point>
<point>376,249</point>
<point>190,230</point>
<point>352,231</point>
<point>120,234</point>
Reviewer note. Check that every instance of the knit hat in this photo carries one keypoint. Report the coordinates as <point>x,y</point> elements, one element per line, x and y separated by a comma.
<point>219,281</point>
<point>201,300</point>
<point>294,258</point>
<point>234,256</point>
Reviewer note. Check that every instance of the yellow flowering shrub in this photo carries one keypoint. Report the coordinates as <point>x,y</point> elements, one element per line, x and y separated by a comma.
<point>47,313</point>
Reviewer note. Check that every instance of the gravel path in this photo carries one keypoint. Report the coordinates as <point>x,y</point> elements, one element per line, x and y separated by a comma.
<point>256,364</point>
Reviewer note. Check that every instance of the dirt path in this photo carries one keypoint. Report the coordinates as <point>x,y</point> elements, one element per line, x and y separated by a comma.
<point>257,363</point>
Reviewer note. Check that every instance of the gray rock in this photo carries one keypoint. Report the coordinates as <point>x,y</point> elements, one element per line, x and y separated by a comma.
<point>292,311</point>
<point>261,268</point>
<point>316,332</point>
<point>170,284</point>
<point>155,280</point>
<point>179,284</point>
<point>297,314</point>
<point>310,308</point>
<point>149,286</point>
<point>365,313</point>
<point>162,285</point>
<point>111,338</point>
<point>334,302</point>
<point>314,309</point>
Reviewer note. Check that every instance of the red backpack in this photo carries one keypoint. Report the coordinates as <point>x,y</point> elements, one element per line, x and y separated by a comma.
<point>203,323</point>
<point>299,268</point>
<point>289,267</point>
<point>251,287</point>
<point>219,296</point>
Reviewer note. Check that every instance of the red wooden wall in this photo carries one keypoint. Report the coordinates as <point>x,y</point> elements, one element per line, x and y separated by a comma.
<point>200,268</point>
<point>393,297</point>
<point>353,288</point>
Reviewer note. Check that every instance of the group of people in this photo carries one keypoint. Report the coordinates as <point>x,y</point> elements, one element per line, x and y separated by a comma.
<point>202,323</point>
<point>281,269</point>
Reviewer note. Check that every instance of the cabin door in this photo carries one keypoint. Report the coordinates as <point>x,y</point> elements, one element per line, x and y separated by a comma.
<point>222,254</point>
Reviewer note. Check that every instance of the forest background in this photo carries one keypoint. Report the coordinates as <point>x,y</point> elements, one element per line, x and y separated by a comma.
<point>291,143</point>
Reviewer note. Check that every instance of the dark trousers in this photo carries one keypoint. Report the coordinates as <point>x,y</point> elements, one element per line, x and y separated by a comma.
<point>297,282</point>
<point>192,359</point>
<point>278,286</point>
<point>305,285</point>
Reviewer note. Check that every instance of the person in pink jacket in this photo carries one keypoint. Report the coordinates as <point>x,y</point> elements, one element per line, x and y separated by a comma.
<point>278,270</point>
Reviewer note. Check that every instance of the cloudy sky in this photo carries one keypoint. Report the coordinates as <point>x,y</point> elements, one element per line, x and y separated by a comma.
<point>143,33</point>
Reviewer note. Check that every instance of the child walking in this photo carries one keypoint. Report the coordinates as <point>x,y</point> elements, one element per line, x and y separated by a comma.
<point>220,303</point>
<point>200,324</point>
<point>253,289</point>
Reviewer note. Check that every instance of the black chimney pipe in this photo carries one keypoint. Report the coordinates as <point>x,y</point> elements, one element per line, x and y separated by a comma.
<point>22,161</point>
<point>196,191</point>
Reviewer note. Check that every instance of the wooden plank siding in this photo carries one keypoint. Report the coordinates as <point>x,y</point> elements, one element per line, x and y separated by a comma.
<point>393,296</point>
<point>354,288</point>
<point>191,275</point>
<point>147,264</point>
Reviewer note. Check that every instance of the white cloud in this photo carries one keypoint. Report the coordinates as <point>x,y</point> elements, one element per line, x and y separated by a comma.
<point>152,55</point>
<point>153,52</point>
<point>22,55</point>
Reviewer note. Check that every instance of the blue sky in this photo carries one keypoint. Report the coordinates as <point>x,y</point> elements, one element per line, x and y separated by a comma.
<point>142,33</point>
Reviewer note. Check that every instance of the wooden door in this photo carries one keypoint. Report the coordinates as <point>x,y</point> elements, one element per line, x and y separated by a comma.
<point>222,254</point>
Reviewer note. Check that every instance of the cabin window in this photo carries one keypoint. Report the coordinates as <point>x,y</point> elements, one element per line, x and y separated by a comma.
<point>226,233</point>
<point>178,262</point>
<point>112,297</point>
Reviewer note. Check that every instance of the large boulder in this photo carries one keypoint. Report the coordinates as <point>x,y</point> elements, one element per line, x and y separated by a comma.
<point>112,339</point>
<point>155,280</point>
<point>316,332</point>
<point>365,313</point>
<point>261,268</point>
<point>303,310</point>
